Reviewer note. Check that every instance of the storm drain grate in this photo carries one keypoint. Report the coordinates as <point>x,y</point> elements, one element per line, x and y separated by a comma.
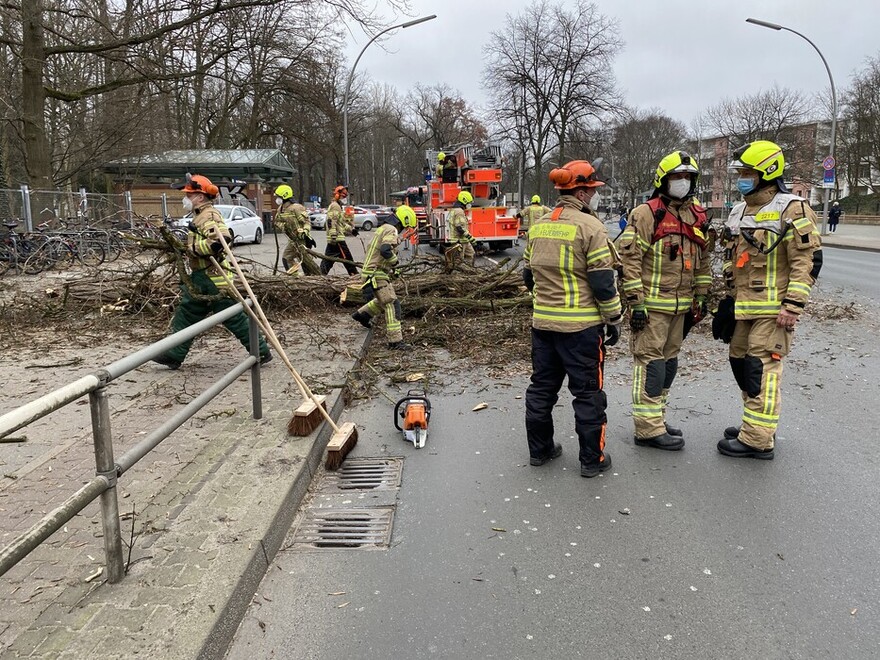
<point>344,529</point>
<point>364,474</point>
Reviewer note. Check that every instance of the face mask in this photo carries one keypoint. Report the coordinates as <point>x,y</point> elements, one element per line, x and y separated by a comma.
<point>679,188</point>
<point>187,204</point>
<point>594,203</point>
<point>278,201</point>
<point>745,186</point>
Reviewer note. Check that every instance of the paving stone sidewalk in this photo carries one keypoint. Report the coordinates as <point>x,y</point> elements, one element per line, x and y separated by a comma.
<point>208,508</point>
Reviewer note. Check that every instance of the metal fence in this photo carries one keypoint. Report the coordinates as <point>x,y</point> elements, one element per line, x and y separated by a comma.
<point>78,209</point>
<point>107,470</point>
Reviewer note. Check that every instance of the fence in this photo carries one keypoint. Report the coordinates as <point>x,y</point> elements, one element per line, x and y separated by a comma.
<point>103,485</point>
<point>81,208</point>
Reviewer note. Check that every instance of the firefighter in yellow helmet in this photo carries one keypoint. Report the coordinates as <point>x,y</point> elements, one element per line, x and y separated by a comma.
<point>203,292</point>
<point>339,223</point>
<point>461,248</point>
<point>380,266</point>
<point>438,168</point>
<point>772,259</point>
<point>530,214</point>
<point>293,219</point>
<point>569,268</point>
<point>666,279</point>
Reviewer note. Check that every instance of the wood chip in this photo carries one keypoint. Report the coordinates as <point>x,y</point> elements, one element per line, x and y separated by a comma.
<point>498,529</point>
<point>94,575</point>
<point>480,406</point>
<point>337,593</point>
<point>345,604</point>
<point>412,378</point>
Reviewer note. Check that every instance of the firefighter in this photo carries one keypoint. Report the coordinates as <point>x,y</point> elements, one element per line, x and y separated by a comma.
<point>569,268</point>
<point>666,279</point>
<point>202,293</point>
<point>530,214</point>
<point>380,266</point>
<point>338,225</point>
<point>293,219</point>
<point>438,169</point>
<point>462,248</point>
<point>772,259</point>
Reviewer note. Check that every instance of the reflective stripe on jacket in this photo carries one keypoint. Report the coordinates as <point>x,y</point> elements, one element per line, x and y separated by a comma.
<point>293,219</point>
<point>375,265</point>
<point>338,224</point>
<point>207,220</point>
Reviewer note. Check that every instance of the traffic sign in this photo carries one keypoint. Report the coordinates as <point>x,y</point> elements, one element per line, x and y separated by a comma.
<point>828,179</point>
<point>828,163</point>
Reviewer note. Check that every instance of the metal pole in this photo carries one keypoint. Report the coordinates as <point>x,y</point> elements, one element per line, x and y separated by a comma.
<point>129,208</point>
<point>106,467</point>
<point>256,386</point>
<point>26,207</point>
<point>164,207</point>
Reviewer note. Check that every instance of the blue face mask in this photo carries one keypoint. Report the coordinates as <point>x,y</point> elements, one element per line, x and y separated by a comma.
<point>745,186</point>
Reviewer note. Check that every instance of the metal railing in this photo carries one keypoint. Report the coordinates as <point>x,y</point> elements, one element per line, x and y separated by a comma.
<point>108,470</point>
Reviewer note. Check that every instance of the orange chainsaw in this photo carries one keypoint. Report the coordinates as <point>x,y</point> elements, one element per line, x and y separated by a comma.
<point>415,411</point>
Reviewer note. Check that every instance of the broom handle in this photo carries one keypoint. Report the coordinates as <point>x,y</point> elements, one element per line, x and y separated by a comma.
<point>267,328</point>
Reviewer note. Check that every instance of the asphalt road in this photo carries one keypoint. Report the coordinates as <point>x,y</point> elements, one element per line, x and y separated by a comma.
<point>671,555</point>
<point>854,271</point>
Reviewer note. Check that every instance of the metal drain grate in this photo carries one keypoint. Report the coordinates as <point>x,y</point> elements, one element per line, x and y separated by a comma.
<point>344,529</point>
<point>363,474</point>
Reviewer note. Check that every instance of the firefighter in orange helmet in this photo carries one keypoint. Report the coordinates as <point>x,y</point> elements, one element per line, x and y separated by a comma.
<point>338,225</point>
<point>569,268</point>
<point>666,278</point>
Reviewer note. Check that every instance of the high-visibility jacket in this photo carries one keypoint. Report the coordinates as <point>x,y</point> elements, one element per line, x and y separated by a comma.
<point>338,223</point>
<point>770,254</point>
<point>531,214</point>
<point>293,219</point>
<point>201,236</point>
<point>572,263</point>
<point>381,257</point>
<point>457,229</point>
<point>665,273</point>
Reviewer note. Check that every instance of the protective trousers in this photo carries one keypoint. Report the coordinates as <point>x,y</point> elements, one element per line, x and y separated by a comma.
<point>756,353</point>
<point>190,310</point>
<point>385,302</point>
<point>341,251</point>
<point>460,253</point>
<point>580,356</point>
<point>655,363</point>
<point>295,253</point>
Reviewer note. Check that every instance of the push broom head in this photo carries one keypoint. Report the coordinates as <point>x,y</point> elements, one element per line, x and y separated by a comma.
<point>342,442</point>
<point>307,417</point>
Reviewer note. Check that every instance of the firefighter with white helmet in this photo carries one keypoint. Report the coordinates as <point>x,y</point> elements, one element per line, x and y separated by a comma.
<point>666,278</point>
<point>380,266</point>
<point>569,268</point>
<point>772,259</point>
<point>339,223</point>
<point>458,232</point>
<point>293,219</point>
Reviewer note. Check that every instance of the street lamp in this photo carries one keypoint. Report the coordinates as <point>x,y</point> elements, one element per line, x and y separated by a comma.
<point>774,26</point>
<point>351,77</point>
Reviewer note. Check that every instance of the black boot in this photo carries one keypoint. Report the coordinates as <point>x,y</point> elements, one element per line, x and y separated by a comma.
<point>399,346</point>
<point>664,441</point>
<point>362,317</point>
<point>265,359</point>
<point>556,453</point>
<point>671,430</point>
<point>731,432</point>
<point>736,449</point>
<point>171,363</point>
<point>593,470</point>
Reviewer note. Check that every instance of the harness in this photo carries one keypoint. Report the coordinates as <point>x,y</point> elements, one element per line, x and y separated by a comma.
<point>767,220</point>
<point>666,224</point>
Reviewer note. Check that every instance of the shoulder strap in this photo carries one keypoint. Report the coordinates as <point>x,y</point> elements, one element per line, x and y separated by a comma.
<point>556,213</point>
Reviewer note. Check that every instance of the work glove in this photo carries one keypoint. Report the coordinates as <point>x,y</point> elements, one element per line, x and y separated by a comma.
<point>355,231</point>
<point>724,322</point>
<point>310,242</point>
<point>612,332</point>
<point>638,318</point>
<point>192,227</point>
<point>698,309</point>
<point>216,247</point>
<point>395,273</point>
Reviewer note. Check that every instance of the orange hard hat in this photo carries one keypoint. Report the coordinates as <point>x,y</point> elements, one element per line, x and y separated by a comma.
<point>575,174</point>
<point>196,183</point>
<point>340,191</point>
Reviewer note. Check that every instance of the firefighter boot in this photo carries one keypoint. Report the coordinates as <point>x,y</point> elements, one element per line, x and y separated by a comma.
<point>362,317</point>
<point>169,362</point>
<point>556,453</point>
<point>671,430</point>
<point>736,449</point>
<point>593,470</point>
<point>731,432</point>
<point>665,441</point>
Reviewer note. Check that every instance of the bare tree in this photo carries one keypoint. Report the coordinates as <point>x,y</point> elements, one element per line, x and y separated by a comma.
<point>859,135</point>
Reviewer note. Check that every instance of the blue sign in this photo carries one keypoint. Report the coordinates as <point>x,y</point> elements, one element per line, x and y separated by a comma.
<point>314,198</point>
<point>828,180</point>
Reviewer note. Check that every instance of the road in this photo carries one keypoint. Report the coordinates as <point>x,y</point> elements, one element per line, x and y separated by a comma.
<point>854,271</point>
<point>671,555</point>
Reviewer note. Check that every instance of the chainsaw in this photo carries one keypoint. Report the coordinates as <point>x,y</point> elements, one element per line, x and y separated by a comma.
<point>415,411</point>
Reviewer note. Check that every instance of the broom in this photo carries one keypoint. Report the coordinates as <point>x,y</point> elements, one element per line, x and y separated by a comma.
<point>344,437</point>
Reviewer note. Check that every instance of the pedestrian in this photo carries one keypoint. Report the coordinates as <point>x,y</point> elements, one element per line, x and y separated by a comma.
<point>461,251</point>
<point>338,225</point>
<point>380,266</point>
<point>530,214</point>
<point>621,221</point>
<point>666,280</point>
<point>203,292</point>
<point>569,268</point>
<point>834,217</point>
<point>772,259</point>
<point>293,220</point>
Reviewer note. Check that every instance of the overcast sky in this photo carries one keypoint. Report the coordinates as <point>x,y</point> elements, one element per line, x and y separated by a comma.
<point>679,55</point>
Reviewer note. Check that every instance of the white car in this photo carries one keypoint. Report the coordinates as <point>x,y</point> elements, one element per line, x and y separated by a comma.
<point>363,220</point>
<point>244,224</point>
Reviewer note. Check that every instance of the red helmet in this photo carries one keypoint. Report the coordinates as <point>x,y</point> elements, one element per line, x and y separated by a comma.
<point>575,174</point>
<point>196,183</point>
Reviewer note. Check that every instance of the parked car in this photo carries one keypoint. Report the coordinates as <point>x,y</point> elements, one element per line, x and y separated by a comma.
<point>243,223</point>
<point>363,219</point>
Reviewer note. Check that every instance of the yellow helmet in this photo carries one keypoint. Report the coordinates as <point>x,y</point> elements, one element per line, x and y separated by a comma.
<point>441,156</point>
<point>763,156</point>
<point>677,161</point>
<point>465,197</point>
<point>536,199</point>
<point>284,191</point>
<point>406,216</point>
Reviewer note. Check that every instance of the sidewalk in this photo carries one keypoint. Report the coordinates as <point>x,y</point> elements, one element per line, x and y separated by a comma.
<point>854,237</point>
<point>208,508</point>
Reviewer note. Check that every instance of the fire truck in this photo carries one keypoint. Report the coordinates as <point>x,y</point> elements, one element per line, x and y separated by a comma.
<point>465,167</point>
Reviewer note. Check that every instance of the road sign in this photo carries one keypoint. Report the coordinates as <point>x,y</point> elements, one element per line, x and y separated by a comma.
<point>828,179</point>
<point>828,163</point>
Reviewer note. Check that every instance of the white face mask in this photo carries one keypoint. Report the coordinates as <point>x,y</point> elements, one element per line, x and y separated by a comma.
<point>278,201</point>
<point>594,202</point>
<point>679,188</point>
<point>187,204</point>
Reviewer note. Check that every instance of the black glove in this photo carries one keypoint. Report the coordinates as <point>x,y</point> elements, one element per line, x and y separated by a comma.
<point>724,321</point>
<point>192,227</point>
<point>638,318</point>
<point>355,231</point>
<point>612,333</point>
<point>310,242</point>
<point>216,247</point>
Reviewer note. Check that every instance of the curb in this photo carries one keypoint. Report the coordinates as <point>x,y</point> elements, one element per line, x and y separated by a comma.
<point>843,246</point>
<point>230,617</point>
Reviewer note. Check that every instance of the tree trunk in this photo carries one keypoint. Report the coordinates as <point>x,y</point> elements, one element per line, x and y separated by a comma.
<point>38,162</point>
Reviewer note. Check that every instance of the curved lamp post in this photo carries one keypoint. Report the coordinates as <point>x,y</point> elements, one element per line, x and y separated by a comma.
<point>774,26</point>
<point>351,77</point>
